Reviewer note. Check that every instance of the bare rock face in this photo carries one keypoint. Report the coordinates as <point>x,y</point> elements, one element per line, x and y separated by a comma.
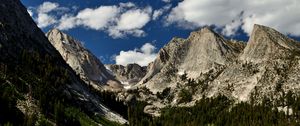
<point>129,74</point>
<point>266,43</point>
<point>19,34</point>
<point>88,66</point>
<point>206,64</point>
<point>267,67</point>
<point>206,49</point>
<point>201,52</point>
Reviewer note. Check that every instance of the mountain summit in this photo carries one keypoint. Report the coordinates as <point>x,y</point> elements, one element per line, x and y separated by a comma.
<point>206,64</point>
<point>206,49</point>
<point>202,51</point>
<point>87,65</point>
<point>266,43</point>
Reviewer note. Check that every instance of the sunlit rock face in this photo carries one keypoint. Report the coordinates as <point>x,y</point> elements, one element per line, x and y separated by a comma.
<point>202,51</point>
<point>206,64</point>
<point>87,65</point>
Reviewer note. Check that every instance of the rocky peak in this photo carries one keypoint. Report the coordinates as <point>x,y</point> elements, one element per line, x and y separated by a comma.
<point>266,43</point>
<point>201,52</point>
<point>83,62</point>
<point>204,30</point>
<point>129,74</point>
<point>170,56</point>
<point>60,38</point>
<point>206,48</point>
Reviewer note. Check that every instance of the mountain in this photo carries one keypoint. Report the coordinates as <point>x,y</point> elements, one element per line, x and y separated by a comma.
<point>37,86</point>
<point>83,62</point>
<point>268,44</point>
<point>267,67</point>
<point>207,65</point>
<point>129,74</point>
<point>201,52</point>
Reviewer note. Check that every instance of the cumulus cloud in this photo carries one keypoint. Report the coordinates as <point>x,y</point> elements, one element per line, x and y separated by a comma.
<point>142,56</point>
<point>131,22</point>
<point>67,22</point>
<point>138,16</point>
<point>116,20</point>
<point>97,18</point>
<point>44,18</point>
<point>93,18</point>
<point>231,15</point>
<point>47,7</point>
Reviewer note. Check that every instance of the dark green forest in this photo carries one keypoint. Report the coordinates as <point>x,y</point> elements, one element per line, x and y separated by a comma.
<point>44,80</point>
<point>220,111</point>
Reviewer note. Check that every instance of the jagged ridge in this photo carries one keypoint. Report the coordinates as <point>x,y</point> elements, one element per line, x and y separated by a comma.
<point>87,65</point>
<point>129,74</point>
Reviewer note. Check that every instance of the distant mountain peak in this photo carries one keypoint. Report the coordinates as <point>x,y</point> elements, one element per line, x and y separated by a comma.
<point>205,31</point>
<point>128,75</point>
<point>83,62</point>
<point>202,51</point>
<point>265,43</point>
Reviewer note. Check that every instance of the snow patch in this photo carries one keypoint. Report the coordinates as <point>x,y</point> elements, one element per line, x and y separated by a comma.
<point>181,72</point>
<point>109,71</point>
<point>124,82</point>
<point>127,87</point>
<point>65,42</point>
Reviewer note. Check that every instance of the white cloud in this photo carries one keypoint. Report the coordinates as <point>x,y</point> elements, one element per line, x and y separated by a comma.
<point>139,17</point>
<point>67,22</point>
<point>233,14</point>
<point>156,14</point>
<point>231,29</point>
<point>142,56</point>
<point>127,5</point>
<point>47,7</point>
<point>98,18</point>
<point>116,20</point>
<point>44,20</point>
<point>131,22</point>
<point>159,12</point>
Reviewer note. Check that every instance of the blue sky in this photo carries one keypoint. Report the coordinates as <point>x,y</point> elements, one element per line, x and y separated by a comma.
<point>118,30</point>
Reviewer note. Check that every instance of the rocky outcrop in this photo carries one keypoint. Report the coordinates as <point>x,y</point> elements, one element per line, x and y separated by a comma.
<point>129,74</point>
<point>83,62</point>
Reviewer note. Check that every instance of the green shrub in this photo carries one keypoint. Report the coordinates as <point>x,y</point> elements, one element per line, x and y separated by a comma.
<point>185,96</point>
